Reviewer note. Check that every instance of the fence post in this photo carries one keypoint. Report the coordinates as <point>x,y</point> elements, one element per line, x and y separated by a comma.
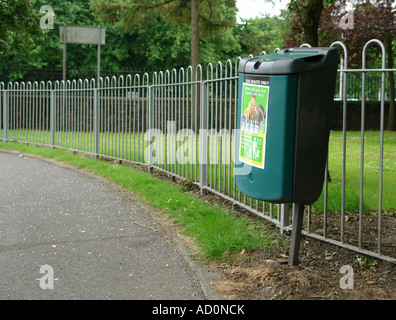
<point>284,216</point>
<point>150,114</point>
<point>53,118</point>
<point>150,120</point>
<point>96,122</point>
<point>5,116</point>
<point>203,138</point>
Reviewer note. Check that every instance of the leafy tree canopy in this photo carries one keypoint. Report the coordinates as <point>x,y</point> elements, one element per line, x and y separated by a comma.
<point>18,23</point>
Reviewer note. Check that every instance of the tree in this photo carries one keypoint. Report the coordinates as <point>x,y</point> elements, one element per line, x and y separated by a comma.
<point>373,19</point>
<point>160,45</point>
<point>18,22</point>
<point>308,14</point>
<point>45,50</point>
<point>261,34</point>
<point>203,15</point>
<point>376,20</point>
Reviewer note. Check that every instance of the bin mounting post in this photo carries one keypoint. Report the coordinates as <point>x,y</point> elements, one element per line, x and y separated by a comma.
<point>298,216</point>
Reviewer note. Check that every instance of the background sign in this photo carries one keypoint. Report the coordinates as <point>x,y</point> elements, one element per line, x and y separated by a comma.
<point>82,35</point>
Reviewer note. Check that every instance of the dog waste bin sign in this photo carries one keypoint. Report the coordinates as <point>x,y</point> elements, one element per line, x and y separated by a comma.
<point>284,116</point>
<point>254,106</point>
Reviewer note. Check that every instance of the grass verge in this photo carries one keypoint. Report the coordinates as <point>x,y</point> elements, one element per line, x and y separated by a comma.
<point>218,232</point>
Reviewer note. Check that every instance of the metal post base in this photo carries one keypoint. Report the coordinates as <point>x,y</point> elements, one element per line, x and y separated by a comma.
<point>298,217</point>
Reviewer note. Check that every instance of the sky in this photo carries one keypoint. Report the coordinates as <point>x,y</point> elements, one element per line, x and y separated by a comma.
<point>254,8</point>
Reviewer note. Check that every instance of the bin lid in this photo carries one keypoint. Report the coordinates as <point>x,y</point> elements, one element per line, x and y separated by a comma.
<point>290,61</point>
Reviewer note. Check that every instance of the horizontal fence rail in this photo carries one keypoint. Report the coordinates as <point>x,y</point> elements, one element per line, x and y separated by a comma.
<point>183,122</point>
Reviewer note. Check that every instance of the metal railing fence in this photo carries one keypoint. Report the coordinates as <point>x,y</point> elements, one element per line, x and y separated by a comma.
<point>183,122</point>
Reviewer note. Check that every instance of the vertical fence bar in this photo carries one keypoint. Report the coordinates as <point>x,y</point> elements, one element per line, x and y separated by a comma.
<point>81,117</point>
<point>5,115</point>
<point>53,118</point>
<point>81,134</point>
<point>1,109</point>
<point>56,116</point>
<point>11,108</point>
<point>150,121</point>
<point>118,134</point>
<point>19,112</point>
<point>16,128</point>
<point>29,109</point>
<point>198,96</point>
<point>344,137</point>
<point>381,163</point>
<point>236,132</point>
<point>203,137</point>
<point>62,114</point>
<point>106,115</point>
<point>284,216</point>
<point>362,158</point>
<point>163,117</point>
<point>11,104</point>
<point>96,121</point>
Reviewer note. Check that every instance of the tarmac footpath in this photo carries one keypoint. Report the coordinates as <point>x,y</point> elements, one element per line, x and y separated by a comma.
<point>66,234</point>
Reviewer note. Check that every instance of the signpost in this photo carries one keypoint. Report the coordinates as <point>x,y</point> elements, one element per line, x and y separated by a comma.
<point>82,35</point>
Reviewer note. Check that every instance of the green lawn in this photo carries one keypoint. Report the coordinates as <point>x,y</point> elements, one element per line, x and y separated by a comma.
<point>370,169</point>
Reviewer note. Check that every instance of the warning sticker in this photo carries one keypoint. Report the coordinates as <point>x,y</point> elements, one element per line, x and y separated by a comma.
<point>254,104</point>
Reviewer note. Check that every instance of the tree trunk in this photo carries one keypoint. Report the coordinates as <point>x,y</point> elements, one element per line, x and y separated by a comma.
<point>311,36</point>
<point>194,34</point>
<point>309,15</point>
<point>196,89</point>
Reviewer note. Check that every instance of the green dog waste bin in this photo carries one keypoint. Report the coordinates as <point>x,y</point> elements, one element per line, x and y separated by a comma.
<point>284,116</point>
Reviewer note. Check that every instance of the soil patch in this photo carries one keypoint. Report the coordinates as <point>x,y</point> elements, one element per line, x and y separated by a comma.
<point>266,275</point>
